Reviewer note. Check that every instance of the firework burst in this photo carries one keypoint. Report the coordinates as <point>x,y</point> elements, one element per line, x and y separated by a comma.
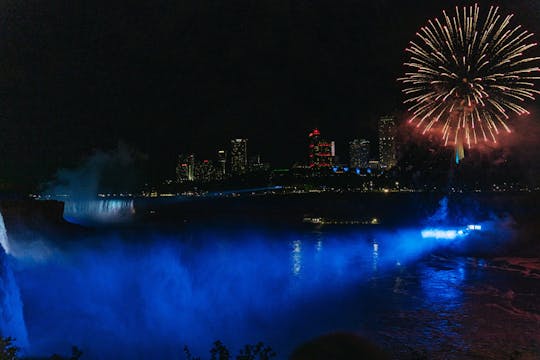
<point>467,75</point>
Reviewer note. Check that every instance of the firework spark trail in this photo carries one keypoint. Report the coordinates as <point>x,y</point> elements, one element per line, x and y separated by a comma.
<point>468,75</point>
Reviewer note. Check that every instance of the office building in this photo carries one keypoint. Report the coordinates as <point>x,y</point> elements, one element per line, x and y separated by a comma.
<point>321,152</point>
<point>205,171</point>
<point>387,142</point>
<point>359,153</point>
<point>185,169</point>
<point>222,164</point>
<point>239,160</point>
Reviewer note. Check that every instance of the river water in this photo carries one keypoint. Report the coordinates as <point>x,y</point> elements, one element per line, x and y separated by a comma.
<point>146,292</point>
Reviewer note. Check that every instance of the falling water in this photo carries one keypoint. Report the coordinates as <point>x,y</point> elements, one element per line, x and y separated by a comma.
<point>3,236</point>
<point>11,307</point>
<point>99,211</point>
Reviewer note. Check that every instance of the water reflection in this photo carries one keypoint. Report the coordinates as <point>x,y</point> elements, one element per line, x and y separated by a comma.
<point>375,256</point>
<point>296,256</point>
<point>318,245</point>
<point>133,295</point>
<point>442,280</point>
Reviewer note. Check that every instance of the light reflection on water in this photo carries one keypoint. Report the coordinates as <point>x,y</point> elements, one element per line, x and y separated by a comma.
<point>442,283</point>
<point>128,296</point>
<point>296,257</point>
<point>375,256</point>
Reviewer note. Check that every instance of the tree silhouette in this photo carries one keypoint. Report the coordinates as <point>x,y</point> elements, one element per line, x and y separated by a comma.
<point>8,351</point>
<point>219,351</point>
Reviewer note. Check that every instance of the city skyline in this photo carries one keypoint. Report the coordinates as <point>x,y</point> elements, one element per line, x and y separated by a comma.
<point>321,154</point>
<point>342,146</point>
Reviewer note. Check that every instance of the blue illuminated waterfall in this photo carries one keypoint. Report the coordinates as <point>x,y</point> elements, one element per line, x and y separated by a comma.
<point>99,211</point>
<point>11,307</point>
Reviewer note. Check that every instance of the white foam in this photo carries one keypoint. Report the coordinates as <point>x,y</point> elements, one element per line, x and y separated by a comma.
<point>4,241</point>
<point>104,211</point>
<point>11,308</point>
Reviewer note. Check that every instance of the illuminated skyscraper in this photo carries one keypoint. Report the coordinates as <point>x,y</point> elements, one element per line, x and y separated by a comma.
<point>359,153</point>
<point>222,163</point>
<point>206,171</point>
<point>321,152</point>
<point>387,142</point>
<point>185,169</point>
<point>239,161</point>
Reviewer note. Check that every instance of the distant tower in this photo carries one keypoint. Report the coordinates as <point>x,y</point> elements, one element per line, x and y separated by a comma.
<point>254,162</point>
<point>387,142</point>
<point>314,138</point>
<point>222,163</point>
<point>185,169</point>
<point>239,160</point>
<point>321,152</point>
<point>359,153</point>
<point>460,153</point>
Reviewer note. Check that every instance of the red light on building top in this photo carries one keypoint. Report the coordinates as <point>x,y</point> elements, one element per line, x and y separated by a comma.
<point>205,161</point>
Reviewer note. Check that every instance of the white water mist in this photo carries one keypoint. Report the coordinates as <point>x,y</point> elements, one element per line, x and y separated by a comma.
<point>11,307</point>
<point>99,211</point>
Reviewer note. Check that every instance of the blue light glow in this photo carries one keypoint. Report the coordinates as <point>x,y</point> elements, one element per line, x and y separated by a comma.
<point>475,227</point>
<point>440,234</point>
<point>448,233</point>
<point>145,294</point>
<point>114,295</point>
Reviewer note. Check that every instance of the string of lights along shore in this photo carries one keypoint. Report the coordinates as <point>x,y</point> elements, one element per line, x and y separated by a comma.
<point>322,158</point>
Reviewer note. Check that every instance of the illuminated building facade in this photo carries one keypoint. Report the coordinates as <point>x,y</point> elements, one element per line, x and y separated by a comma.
<point>185,169</point>
<point>222,164</point>
<point>387,142</point>
<point>206,171</point>
<point>239,160</point>
<point>359,153</point>
<point>321,152</point>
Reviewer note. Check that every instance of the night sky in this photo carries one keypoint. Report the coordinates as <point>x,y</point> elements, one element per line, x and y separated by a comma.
<point>170,77</point>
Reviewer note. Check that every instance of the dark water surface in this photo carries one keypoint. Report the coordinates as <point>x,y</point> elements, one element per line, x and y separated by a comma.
<point>145,292</point>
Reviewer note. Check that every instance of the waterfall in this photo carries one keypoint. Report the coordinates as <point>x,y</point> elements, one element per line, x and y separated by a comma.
<point>100,211</point>
<point>3,236</point>
<point>11,306</point>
